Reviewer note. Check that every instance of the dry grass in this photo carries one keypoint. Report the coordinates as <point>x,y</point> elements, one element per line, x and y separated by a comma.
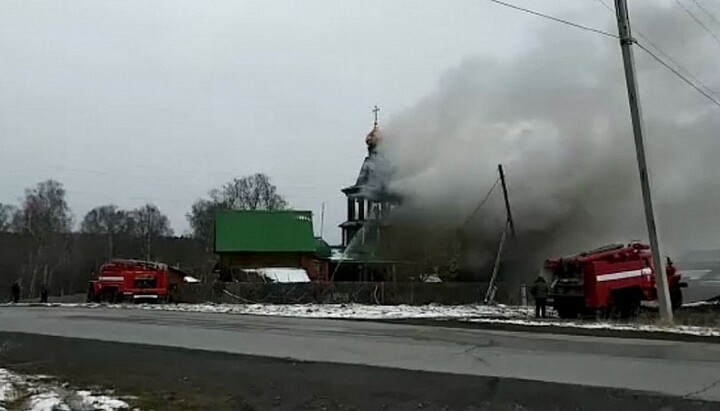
<point>701,316</point>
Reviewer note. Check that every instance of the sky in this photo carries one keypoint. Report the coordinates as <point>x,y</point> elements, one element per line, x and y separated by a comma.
<point>128,102</point>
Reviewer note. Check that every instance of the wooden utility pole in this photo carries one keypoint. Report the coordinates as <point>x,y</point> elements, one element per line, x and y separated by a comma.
<point>508,226</point>
<point>510,222</point>
<point>626,41</point>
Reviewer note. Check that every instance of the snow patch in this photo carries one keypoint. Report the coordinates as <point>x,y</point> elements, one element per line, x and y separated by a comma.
<point>100,402</point>
<point>282,274</point>
<point>41,393</point>
<point>603,325</point>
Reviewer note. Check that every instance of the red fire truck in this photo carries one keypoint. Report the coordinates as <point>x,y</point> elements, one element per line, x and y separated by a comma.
<point>608,281</point>
<point>120,280</point>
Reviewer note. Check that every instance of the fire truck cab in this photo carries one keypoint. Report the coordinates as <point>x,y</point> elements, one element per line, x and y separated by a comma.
<point>119,280</point>
<point>610,281</point>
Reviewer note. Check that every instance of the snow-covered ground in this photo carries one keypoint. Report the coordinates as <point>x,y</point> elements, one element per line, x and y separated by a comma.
<point>42,393</point>
<point>605,325</point>
<point>349,311</point>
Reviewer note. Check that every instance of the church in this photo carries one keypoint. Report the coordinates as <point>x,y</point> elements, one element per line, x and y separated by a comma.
<point>369,203</point>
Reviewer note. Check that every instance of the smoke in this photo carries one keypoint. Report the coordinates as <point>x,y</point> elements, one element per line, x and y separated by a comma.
<point>557,118</point>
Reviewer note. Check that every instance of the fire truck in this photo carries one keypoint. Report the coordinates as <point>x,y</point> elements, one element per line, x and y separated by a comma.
<point>609,281</point>
<point>121,280</point>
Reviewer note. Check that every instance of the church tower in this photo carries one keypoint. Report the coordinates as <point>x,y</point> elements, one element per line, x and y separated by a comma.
<point>368,199</point>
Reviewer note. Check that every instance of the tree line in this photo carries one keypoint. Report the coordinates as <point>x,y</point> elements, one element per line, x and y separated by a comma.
<point>43,216</point>
<point>44,209</point>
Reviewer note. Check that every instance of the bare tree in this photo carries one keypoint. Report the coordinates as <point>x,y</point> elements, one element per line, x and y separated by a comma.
<point>148,223</point>
<point>107,220</point>
<point>254,192</point>
<point>43,215</point>
<point>7,214</point>
<point>45,210</point>
<point>102,220</point>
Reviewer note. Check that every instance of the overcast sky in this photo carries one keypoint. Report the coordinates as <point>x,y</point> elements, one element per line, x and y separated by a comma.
<point>128,102</point>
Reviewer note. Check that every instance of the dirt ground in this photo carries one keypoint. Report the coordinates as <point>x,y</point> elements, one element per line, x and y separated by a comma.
<point>176,379</point>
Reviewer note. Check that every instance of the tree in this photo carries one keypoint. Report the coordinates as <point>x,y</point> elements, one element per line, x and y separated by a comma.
<point>148,223</point>
<point>106,219</point>
<point>7,214</point>
<point>44,210</point>
<point>254,192</point>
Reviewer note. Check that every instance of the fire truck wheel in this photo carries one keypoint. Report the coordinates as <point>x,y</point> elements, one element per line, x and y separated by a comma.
<point>676,298</point>
<point>624,304</point>
<point>567,309</point>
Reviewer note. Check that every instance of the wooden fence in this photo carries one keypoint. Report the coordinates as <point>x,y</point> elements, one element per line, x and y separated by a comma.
<point>339,292</point>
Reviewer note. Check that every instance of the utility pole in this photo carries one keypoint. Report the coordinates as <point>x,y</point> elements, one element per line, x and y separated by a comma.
<point>626,41</point>
<point>511,224</point>
<point>322,219</point>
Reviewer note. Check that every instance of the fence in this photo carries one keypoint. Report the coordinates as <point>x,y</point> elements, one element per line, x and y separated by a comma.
<point>335,293</point>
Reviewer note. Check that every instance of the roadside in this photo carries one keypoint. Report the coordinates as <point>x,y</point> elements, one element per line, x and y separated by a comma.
<point>696,322</point>
<point>163,378</point>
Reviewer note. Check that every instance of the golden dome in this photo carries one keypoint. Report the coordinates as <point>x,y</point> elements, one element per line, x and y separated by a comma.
<point>373,137</point>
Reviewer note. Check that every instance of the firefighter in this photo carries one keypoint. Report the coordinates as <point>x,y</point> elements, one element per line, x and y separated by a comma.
<point>539,291</point>
<point>670,270</point>
<point>43,294</point>
<point>15,292</point>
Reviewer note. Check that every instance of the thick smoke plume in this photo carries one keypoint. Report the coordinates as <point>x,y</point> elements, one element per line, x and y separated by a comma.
<point>557,118</point>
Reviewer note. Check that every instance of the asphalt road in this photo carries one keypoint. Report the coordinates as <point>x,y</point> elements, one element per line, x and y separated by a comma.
<point>679,369</point>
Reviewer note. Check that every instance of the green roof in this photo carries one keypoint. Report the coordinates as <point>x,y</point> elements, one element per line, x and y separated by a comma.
<point>322,248</point>
<point>264,231</point>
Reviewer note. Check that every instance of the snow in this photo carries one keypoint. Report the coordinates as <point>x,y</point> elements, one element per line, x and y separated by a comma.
<point>604,325</point>
<point>495,314</point>
<point>41,393</point>
<point>338,255</point>
<point>349,311</point>
<point>283,274</point>
<point>100,402</point>
<point>47,401</point>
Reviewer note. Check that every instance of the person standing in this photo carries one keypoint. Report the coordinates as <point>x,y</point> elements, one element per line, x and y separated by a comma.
<point>15,292</point>
<point>43,294</point>
<point>539,291</point>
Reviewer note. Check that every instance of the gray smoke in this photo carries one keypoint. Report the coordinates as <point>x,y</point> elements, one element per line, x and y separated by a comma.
<point>557,118</point>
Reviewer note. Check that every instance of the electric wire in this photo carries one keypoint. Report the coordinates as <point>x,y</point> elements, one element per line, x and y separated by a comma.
<point>698,21</point>
<point>706,11</point>
<point>482,203</point>
<point>553,18</point>
<point>677,73</point>
<point>693,82</point>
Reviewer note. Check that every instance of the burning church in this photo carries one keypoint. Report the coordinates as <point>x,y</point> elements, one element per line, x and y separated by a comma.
<point>369,204</point>
<point>386,237</point>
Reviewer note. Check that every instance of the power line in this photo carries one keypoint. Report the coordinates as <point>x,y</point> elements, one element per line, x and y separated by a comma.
<point>482,203</point>
<point>553,18</point>
<point>701,7</point>
<point>707,92</point>
<point>677,73</point>
<point>698,21</point>
<point>677,64</point>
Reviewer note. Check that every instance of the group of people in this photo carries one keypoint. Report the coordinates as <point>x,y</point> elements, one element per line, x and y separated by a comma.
<point>15,293</point>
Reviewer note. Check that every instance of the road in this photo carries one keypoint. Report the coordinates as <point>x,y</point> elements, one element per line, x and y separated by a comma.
<point>678,369</point>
